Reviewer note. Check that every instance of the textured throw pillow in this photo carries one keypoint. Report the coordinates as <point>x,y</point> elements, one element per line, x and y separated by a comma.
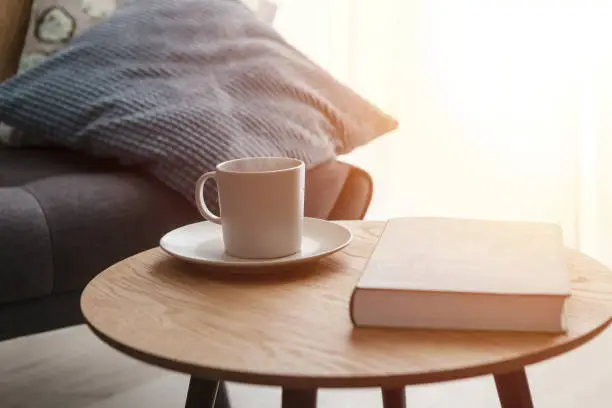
<point>177,86</point>
<point>54,23</point>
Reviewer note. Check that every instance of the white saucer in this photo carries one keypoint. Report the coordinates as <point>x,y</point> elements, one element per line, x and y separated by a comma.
<point>202,243</point>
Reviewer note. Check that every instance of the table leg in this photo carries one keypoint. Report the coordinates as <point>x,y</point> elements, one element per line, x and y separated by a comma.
<point>302,398</point>
<point>394,397</point>
<point>206,394</point>
<point>513,389</point>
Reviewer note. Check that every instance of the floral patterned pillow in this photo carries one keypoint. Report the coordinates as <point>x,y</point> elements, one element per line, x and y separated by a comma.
<point>55,22</point>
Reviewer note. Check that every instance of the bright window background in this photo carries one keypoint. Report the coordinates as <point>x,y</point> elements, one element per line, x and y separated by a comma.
<point>504,106</point>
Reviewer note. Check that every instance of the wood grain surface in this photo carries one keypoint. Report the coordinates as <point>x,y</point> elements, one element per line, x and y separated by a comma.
<point>14,21</point>
<point>293,328</point>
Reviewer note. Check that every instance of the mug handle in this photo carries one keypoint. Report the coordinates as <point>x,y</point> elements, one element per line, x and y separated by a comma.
<point>199,197</point>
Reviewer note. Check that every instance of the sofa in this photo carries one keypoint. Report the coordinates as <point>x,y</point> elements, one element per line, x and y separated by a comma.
<point>65,215</point>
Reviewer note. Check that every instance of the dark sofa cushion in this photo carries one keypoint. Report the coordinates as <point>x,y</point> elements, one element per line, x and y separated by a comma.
<point>26,255</point>
<point>97,219</point>
<point>19,166</point>
<point>177,86</point>
<point>65,217</point>
<point>59,231</point>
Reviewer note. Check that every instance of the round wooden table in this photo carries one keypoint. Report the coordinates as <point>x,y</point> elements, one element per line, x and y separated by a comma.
<point>292,328</point>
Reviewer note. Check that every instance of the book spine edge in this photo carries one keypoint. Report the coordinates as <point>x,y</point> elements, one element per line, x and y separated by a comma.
<point>356,287</point>
<point>352,307</point>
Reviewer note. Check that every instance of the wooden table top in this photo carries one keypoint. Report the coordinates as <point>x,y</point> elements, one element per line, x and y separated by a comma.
<point>293,328</point>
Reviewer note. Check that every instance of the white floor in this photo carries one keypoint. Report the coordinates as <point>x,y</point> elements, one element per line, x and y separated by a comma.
<point>71,368</point>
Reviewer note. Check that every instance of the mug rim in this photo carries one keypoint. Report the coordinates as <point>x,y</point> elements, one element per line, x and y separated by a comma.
<point>297,164</point>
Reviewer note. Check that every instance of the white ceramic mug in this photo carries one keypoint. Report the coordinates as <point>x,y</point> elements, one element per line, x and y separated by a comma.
<point>262,205</point>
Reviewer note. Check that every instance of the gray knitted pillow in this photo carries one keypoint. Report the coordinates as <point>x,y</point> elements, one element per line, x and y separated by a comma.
<point>176,86</point>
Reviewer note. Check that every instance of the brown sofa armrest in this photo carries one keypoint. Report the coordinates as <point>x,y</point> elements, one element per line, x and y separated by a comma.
<point>14,21</point>
<point>356,195</point>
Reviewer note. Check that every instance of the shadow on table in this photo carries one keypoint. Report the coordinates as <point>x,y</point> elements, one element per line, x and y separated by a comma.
<point>172,270</point>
